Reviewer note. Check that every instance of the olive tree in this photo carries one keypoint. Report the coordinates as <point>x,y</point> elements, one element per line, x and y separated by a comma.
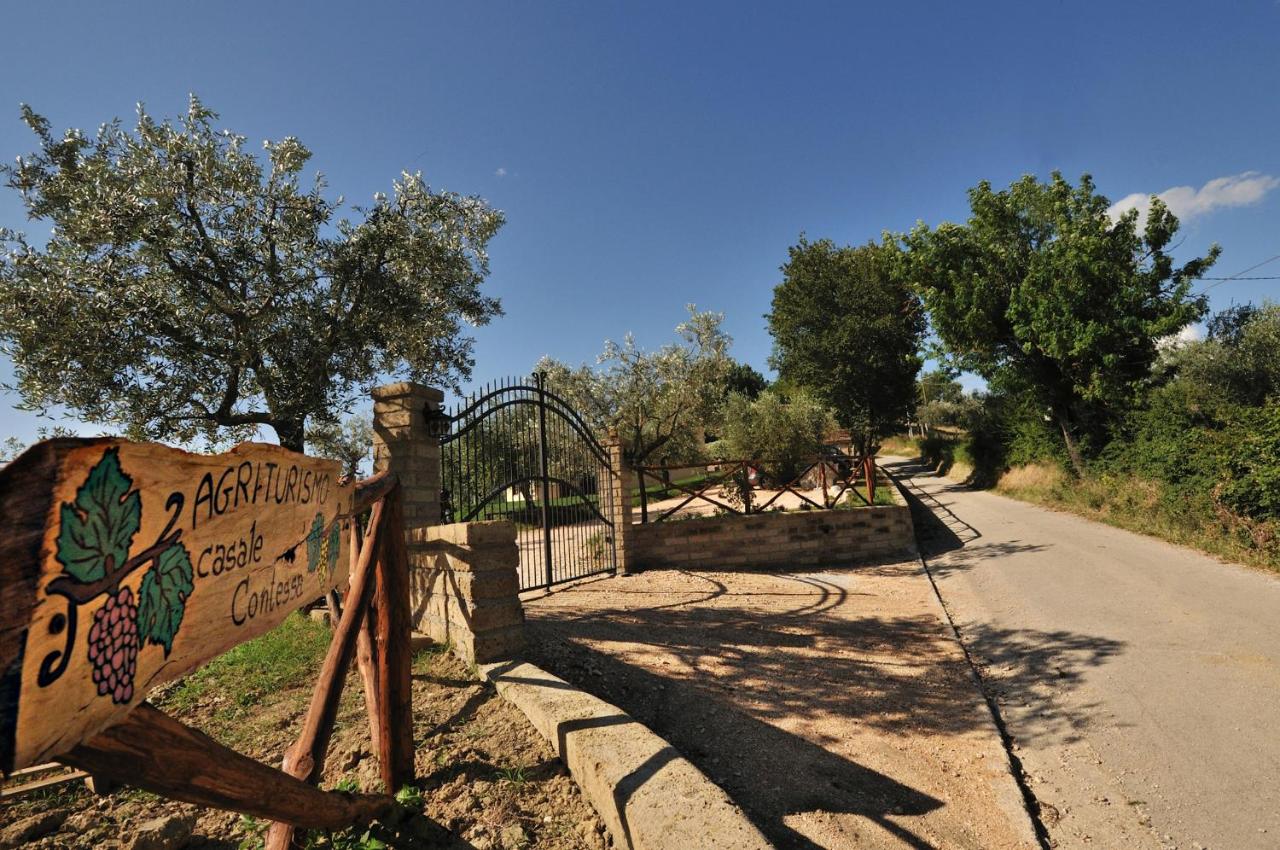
<point>191,289</point>
<point>659,402</point>
<point>781,436</point>
<point>350,442</point>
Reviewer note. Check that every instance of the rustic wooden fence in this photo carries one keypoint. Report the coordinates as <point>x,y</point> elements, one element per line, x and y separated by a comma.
<point>240,541</point>
<point>731,486</point>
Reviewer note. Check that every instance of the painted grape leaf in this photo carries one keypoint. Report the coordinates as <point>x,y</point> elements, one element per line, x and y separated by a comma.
<point>97,529</point>
<point>162,598</point>
<point>315,538</point>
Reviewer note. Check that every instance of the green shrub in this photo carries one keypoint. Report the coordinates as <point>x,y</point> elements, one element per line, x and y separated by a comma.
<point>1252,488</point>
<point>782,436</point>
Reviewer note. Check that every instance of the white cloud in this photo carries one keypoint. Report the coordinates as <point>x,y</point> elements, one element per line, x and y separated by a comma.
<point>501,172</point>
<point>1189,334</point>
<point>1187,202</point>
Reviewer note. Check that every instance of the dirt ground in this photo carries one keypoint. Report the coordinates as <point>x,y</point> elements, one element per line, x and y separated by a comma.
<point>488,779</point>
<point>835,707</point>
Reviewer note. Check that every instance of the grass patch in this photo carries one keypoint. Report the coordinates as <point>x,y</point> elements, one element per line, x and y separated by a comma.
<point>286,657</point>
<point>656,491</point>
<point>1146,507</point>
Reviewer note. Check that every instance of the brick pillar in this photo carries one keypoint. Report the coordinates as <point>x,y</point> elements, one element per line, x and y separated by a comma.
<point>622,482</point>
<point>402,445</point>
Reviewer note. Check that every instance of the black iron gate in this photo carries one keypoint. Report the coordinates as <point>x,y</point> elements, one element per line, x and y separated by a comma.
<point>518,451</point>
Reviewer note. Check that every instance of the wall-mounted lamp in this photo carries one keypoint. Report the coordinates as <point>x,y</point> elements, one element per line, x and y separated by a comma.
<point>439,423</point>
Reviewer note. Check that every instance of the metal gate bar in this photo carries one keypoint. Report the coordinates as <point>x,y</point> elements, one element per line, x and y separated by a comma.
<point>518,451</point>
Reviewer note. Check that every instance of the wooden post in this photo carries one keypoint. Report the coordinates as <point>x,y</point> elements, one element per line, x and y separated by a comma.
<point>364,651</point>
<point>392,627</point>
<point>305,759</point>
<point>869,471</point>
<point>152,751</point>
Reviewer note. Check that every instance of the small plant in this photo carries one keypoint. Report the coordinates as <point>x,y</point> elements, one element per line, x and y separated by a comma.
<point>254,832</point>
<point>738,490</point>
<point>512,775</point>
<point>597,548</point>
<point>347,785</point>
<point>410,796</point>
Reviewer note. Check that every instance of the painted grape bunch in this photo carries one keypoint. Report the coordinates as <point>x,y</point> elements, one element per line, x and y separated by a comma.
<point>113,646</point>
<point>94,540</point>
<point>323,546</point>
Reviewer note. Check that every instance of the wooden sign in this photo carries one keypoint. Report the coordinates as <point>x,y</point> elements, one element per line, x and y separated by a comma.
<point>125,565</point>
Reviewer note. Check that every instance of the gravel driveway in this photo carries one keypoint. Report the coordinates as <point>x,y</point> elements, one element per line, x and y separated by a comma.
<point>835,707</point>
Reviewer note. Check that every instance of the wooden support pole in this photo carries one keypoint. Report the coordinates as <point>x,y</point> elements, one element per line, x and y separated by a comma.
<point>305,759</point>
<point>152,751</point>
<point>334,604</point>
<point>869,471</point>
<point>364,651</point>
<point>393,661</point>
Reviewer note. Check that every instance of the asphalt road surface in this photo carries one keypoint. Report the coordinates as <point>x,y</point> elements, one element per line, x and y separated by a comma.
<point>1139,681</point>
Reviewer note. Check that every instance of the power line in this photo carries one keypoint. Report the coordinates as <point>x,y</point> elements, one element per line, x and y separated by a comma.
<point>1239,275</point>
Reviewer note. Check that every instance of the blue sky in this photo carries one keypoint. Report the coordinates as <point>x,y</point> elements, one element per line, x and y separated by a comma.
<point>652,154</point>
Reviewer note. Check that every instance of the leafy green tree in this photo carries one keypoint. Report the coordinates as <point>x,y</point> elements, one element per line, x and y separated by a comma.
<point>659,402</point>
<point>780,435</point>
<point>350,442</point>
<point>847,328</point>
<point>745,380</point>
<point>1042,282</point>
<point>191,289</point>
<point>1241,357</point>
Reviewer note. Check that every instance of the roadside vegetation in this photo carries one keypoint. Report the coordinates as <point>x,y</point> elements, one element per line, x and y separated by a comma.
<point>1196,461</point>
<point>1097,399</point>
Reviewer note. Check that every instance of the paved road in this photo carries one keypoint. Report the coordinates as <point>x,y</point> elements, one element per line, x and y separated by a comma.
<point>1139,681</point>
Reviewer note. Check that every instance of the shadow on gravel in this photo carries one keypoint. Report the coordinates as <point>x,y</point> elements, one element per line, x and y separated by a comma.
<point>719,673</point>
<point>769,772</point>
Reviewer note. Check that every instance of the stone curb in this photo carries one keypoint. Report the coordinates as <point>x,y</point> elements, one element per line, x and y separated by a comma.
<point>647,794</point>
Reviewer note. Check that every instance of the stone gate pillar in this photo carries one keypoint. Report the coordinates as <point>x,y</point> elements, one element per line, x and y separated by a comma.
<point>621,482</point>
<point>401,444</point>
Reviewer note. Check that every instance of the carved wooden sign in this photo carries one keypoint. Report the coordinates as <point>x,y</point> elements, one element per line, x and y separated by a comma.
<point>125,565</point>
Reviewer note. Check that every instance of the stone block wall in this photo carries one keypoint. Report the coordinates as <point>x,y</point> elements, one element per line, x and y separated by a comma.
<point>464,588</point>
<point>774,540</point>
<point>619,500</point>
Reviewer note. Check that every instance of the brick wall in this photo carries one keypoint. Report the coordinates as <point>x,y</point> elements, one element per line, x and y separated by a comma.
<point>464,589</point>
<point>774,540</point>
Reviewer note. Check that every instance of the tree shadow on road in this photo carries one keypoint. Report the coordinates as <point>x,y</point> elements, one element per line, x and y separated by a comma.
<point>938,528</point>
<point>1033,673</point>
